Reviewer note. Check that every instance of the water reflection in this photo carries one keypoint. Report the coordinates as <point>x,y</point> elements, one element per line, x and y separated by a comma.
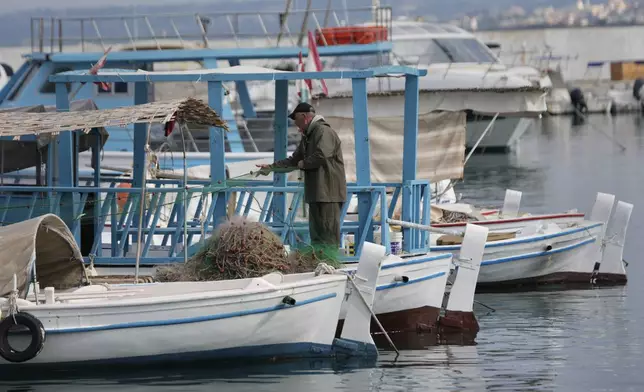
<point>575,340</point>
<point>539,341</point>
<point>190,376</point>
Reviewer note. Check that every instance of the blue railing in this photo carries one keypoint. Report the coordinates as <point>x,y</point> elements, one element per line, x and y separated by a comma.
<point>419,197</point>
<point>175,219</point>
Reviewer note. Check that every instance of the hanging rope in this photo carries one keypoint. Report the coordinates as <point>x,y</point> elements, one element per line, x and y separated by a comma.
<point>12,302</point>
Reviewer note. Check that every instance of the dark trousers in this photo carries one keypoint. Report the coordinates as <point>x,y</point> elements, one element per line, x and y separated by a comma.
<point>324,223</point>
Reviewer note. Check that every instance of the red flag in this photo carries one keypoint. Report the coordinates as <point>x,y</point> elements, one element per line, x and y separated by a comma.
<point>100,64</point>
<point>313,51</point>
<point>169,127</point>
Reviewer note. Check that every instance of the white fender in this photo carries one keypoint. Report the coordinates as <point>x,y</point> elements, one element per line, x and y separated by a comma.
<point>461,297</point>
<point>611,262</point>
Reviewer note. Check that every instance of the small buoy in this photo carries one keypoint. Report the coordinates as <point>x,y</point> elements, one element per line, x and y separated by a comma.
<point>121,197</point>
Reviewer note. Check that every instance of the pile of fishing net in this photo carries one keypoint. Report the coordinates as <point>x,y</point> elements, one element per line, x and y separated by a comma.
<point>239,249</point>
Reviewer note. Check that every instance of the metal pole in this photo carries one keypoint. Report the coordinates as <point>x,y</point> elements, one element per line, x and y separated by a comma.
<point>481,138</point>
<point>422,227</point>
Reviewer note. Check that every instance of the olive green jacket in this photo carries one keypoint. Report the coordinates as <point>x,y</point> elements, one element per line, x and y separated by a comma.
<point>319,149</point>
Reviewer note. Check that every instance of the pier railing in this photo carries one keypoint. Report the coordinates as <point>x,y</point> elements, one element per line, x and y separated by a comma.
<point>179,31</point>
<point>176,219</point>
<point>419,197</point>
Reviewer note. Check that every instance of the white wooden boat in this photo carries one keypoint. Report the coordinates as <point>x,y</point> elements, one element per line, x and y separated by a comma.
<point>411,288</point>
<point>577,253</point>
<point>508,219</point>
<point>557,255</point>
<point>273,316</point>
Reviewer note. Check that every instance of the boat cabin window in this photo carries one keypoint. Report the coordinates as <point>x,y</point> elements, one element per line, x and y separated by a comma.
<point>360,61</point>
<point>113,88</point>
<point>442,50</point>
<point>17,90</point>
<point>7,69</point>
<point>49,87</point>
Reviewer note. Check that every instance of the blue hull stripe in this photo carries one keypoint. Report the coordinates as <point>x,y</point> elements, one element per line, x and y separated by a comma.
<point>417,261</point>
<point>411,281</point>
<point>447,248</point>
<point>440,256</point>
<point>538,254</point>
<point>189,320</point>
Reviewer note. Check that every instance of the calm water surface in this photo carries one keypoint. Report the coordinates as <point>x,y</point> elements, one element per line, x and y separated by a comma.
<point>582,340</point>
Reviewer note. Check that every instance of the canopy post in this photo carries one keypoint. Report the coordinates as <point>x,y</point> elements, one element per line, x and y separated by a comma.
<point>140,138</point>
<point>62,168</point>
<point>139,174</point>
<point>217,151</point>
<point>281,142</point>
<point>410,200</point>
<point>363,158</point>
<point>96,162</point>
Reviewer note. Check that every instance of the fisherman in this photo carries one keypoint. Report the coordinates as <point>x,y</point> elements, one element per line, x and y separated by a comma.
<point>325,186</point>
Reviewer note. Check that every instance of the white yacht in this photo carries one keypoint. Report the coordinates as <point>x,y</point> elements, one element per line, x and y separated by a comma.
<point>454,58</point>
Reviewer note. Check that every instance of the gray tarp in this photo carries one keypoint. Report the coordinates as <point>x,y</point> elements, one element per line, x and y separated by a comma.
<point>440,146</point>
<point>44,242</point>
<point>18,154</point>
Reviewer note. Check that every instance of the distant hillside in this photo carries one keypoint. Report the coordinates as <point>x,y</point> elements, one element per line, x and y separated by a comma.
<point>15,29</point>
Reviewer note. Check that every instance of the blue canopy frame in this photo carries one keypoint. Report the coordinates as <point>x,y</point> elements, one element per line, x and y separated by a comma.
<point>63,160</point>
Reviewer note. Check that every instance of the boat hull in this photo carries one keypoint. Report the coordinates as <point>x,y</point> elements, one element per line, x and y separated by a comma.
<point>500,138</point>
<point>568,256</point>
<point>191,326</point>
<point>410,292</point>
<point>505,133</point>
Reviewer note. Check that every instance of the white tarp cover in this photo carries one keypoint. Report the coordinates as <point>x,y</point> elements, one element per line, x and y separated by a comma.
<point>46,242</point>
<point>440,146</point>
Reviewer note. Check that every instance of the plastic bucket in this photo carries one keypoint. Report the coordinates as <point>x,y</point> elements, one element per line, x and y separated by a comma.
<point>349,245</point>
<point>396,242</point>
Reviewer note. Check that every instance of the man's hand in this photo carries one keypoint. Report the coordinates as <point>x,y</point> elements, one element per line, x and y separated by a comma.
<point>300,165</point>
<point>263,170</point>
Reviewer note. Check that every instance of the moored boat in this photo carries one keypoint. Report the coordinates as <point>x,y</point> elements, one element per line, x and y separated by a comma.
<point>288,316</point>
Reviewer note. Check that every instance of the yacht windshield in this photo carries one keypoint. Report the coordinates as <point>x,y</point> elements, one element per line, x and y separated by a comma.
<point>442,50</point>
<point>363,61</point>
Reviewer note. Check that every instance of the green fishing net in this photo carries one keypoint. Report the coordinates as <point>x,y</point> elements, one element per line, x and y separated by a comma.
<point>246,249</point>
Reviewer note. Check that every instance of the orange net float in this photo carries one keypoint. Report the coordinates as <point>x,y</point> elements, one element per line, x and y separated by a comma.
<point>121,197</point>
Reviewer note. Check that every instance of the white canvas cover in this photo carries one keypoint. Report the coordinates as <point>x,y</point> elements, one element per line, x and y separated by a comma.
<point>45,243</point>
<point>440,146</point>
